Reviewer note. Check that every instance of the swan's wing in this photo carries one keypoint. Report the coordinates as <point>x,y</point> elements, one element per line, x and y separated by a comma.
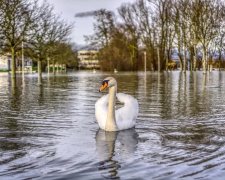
<point>127,115</point>
<point>101,110</point>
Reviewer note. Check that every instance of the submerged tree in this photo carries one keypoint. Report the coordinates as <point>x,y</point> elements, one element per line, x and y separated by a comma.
<point>117,54</point>
<point>48,31</point>
<point>130,29</point>
<point>63,53</point>
<point>16,18</point>
<point>191,27</point>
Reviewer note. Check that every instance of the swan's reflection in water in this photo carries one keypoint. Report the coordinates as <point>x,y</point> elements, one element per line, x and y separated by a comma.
<point>113,146</point>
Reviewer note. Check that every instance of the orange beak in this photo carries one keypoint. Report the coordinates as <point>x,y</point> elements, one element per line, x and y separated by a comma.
<point>104,86</point>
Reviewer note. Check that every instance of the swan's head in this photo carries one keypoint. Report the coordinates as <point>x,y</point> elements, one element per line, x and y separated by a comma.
<point>108,83</point>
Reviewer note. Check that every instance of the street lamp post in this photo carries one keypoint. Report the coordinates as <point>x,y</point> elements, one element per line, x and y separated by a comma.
<point>158,55</point>
<point>145,64</point>
<point>48,66</point>
<point>22,58</point>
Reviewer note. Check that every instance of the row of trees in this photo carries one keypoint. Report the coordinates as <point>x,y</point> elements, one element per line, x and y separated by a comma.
<point>195,29</point>
<point>44,34</point>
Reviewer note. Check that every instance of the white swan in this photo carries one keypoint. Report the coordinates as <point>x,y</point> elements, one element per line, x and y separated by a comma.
<point>110,119</point>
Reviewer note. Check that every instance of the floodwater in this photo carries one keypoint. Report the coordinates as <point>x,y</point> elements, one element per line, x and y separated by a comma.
<point>50,131</point>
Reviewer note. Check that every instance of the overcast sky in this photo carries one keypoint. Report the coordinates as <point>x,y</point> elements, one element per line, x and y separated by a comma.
<point>83,26</point>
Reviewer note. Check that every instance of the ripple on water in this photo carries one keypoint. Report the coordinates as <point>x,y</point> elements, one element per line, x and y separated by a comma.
<point>50,131</point>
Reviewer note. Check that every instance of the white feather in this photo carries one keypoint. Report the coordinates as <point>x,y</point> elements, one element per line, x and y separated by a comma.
<point>125,116</point>
<point>101,110</point>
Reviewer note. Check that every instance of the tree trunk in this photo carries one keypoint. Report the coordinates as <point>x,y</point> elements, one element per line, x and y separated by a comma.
<point>181,61</point>
<point>195,58</point>
<point>180,55</point>
<point>53,67</point>
<point>48,66</point>
<point>167,59</point>
<point>13,63</point>
<point>191,57</point>
<point>220,57</point>
<point>204,60</point>
<point>39,72</point>
<point>185,60</point>
<point>158,56</point>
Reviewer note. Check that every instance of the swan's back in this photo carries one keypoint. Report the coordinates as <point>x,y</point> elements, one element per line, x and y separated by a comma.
<point>126,116</point>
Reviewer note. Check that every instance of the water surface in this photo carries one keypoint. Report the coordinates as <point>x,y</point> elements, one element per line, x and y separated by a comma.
<point>50,131</point>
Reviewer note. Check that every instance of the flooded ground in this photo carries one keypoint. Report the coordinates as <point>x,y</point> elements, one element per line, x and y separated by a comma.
<point>50,131</point>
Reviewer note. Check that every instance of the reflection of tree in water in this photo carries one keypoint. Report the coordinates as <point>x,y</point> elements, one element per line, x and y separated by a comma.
<point>11,130</point>
<point>112,146</point>
<point>179,95</point>
<point>59,81</point>
<point>127,86</point>
<point>15,95</point>
<point>18,135</point>
<point>40,98</point>
<point>53,89</point>
<point>12,114</point>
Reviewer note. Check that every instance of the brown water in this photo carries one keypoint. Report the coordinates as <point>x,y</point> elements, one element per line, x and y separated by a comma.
<point>50,131</point>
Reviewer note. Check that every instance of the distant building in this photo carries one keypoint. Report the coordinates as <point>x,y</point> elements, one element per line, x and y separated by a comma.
<point>27,64</point>
<point>88,59</point>
<point>5,62</point>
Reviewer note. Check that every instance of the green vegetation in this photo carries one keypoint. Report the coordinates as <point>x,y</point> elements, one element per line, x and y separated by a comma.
<point>2,70</point>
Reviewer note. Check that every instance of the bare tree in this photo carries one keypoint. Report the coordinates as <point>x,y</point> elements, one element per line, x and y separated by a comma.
<point>162,33</point>
<point>103,28</point>
<point>219,41</point>
<point>16,21</point>
<point>208,21</point>
<point>192,27</point>
<point>144,18</point>
<point>130,25</point>
<point>48,30</point>
<point>2,38</point>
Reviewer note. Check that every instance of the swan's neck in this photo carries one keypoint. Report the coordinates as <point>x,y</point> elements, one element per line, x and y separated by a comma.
<point>111,120</point>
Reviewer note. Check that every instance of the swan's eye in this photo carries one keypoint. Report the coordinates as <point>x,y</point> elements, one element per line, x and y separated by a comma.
<point>105,82</point>
<point>104,85</point>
